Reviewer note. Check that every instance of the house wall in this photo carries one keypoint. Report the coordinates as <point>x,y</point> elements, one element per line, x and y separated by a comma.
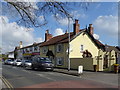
<point>112,60</point>
<point>87,63</point>
<point>62,54</point>
<point>87,43</point>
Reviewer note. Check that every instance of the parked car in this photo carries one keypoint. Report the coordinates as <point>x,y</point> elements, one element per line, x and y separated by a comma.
<point>42,63</point>
<point>17,62</point>
<point>28,64</point>
<point>8,61</point>
<point>23,62</point>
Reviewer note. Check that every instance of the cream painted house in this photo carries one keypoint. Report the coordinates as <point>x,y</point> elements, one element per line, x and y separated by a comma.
<point>84,50</point>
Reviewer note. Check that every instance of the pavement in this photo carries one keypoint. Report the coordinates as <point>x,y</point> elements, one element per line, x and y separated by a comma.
<point>103,77</point>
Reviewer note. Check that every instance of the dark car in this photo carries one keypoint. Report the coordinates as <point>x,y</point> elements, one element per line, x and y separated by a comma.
<point>42,63</point>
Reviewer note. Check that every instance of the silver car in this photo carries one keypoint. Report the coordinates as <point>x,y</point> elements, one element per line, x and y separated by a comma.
<point>23,62</point>
<point>17,62</point>
<point>8,61</point>
<point>28,64</point>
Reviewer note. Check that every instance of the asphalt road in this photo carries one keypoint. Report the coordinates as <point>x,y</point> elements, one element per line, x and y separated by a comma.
<point>22,78</point>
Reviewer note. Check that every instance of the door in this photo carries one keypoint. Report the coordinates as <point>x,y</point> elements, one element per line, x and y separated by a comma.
<point>105,65</point>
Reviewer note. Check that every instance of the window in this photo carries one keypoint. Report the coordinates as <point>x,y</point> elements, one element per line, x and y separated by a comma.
<point>59,48</point>
<point>81,48</point>
<point>31,49</point>
<point>35,48</point>
<point>44,49</point>
<point>60,61</point>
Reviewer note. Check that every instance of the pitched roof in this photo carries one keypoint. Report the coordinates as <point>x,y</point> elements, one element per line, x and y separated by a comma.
<point>110,48</point>
<point>64,39</point>
<point>57,39</point>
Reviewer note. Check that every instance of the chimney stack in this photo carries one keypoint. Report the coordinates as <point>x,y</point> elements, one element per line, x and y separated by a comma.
<point>20,45</point>
<point>76,27</point>
<point>47,35</point>
<point>90,29</point>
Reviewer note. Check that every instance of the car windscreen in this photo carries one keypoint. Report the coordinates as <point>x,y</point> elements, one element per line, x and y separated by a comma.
<point>9,60</point>
<point>18,60</point>
<point>28,61</point>
<point>44,60</point>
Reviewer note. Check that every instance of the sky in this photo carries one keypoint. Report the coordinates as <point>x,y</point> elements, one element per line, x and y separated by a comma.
<point>103,16</point>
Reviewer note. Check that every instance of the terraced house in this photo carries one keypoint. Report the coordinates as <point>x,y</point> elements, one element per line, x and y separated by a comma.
<point>84,50</point>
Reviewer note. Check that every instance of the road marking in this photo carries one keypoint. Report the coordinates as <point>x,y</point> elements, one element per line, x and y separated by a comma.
<point>14,67</point>
<point>7,83</point>
<point>26,71</point>
<point>44,76</point>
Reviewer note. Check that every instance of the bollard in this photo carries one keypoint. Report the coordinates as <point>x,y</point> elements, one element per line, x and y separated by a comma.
<point>80,69</point>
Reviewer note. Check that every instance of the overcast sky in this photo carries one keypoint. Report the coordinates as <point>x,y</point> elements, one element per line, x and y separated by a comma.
<point>103,16</point>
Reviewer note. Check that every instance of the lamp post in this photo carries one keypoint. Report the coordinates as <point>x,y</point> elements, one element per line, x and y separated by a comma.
<point>68,43</point>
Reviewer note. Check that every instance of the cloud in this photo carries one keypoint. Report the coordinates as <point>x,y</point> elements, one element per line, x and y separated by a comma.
<point>74,14</point>
<point>108,25</point>
<point>64,21</point>
<point>77,15</point>
<point>12,33</point>
<point>58,31</point>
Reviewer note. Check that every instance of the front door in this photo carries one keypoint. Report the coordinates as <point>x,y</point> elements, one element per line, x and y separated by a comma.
<point>105,65</point>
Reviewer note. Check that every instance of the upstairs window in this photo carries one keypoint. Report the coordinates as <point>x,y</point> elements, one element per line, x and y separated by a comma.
<point>31,49</point>
<point>81,48</point>
<point>35,48</point>
<point>59,48</point>
<point>44,50</point>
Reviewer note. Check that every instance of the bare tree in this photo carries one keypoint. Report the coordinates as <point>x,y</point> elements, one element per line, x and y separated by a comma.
<point>29,12</point>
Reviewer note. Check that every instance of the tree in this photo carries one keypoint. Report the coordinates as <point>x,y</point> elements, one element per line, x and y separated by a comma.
<point>29,12</point>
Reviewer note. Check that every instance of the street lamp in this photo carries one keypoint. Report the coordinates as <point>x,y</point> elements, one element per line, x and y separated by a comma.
<point>68,43</point>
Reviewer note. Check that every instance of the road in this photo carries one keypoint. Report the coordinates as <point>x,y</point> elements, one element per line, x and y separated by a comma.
<point>22,78</point>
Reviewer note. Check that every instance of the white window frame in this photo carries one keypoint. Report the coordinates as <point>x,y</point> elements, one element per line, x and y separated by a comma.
<point>60,59</point>
<point>58,48</point>
<point>35,48</point>
<point>44,50</point>
<point>81,48</point>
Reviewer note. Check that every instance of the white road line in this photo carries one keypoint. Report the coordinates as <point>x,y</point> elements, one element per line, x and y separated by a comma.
<point>26,71</point>
<point>44,76</point>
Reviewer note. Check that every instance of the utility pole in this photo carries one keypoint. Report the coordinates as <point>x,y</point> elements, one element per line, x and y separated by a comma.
<point>68,43</point>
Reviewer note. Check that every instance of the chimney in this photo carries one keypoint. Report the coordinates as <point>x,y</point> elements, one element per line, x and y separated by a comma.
<point>47,35</point>
<point>76,27</point>
<point>90,29</point>
<point>66,31</point>
<point>20,45</point>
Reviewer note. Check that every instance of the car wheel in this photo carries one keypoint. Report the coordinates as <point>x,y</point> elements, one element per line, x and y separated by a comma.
<point>32,67</point>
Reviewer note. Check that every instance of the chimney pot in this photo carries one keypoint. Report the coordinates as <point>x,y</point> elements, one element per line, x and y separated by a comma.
<point>47,31</point>
<point>76,21</point>
<point>90,25</point>
<point>20,44</point>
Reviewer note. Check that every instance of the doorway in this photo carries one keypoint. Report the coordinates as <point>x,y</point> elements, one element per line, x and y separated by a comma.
<point>105,64</point>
